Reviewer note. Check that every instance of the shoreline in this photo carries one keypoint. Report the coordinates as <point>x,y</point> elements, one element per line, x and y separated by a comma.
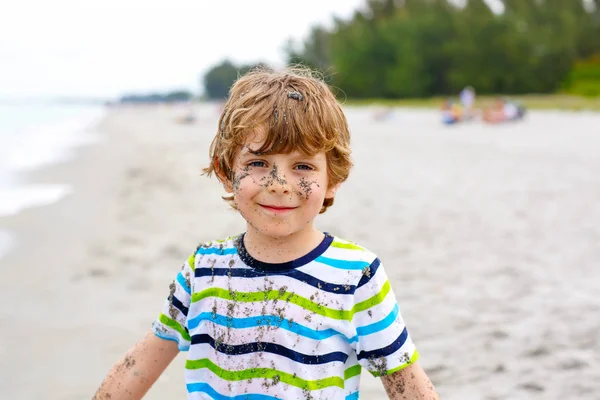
<point>37,163</point>
<point>64,172</point>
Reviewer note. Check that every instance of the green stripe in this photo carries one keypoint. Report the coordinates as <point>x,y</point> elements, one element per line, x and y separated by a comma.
<point>266,373</point>
<point>192,261</point>
<point>412,360</point>
<point>352,372</point>
<point>171,323</point>
<point>342,245</point>
<point>378,298</point>
<point>248,297</point>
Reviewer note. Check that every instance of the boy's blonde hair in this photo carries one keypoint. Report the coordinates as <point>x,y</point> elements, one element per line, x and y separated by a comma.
<point>298,112</point>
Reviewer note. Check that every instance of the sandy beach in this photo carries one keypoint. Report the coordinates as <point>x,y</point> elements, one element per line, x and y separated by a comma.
<point>490,236</point>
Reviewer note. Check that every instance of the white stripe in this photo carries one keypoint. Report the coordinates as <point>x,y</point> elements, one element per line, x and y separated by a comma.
<point>375,313</point>
<point>372,287</point>
<point>349,254</point>
<point>381,339</point>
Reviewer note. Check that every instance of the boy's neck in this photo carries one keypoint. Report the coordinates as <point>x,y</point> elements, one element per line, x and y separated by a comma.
<point>281,249</point>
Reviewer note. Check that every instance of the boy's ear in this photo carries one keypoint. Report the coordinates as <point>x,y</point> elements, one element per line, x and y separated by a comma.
<point>332,190</point>
<point>226,182</point>
<point>227,185</point>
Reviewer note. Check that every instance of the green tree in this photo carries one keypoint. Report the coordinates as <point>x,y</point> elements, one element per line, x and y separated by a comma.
<point>414,48</point>
<point>314,52</point>
<point>219,79</point>
<point>179,95</point>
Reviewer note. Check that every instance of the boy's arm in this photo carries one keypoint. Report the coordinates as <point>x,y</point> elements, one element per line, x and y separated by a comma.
<point>410,383</point>
<point>139,368</point>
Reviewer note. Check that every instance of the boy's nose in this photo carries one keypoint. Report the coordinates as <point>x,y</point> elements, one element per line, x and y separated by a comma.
<point>280,186</point>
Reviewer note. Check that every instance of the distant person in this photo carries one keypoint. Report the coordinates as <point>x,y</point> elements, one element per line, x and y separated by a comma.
<point>451,112</point>
<point>503,110</point>
<point>495,113</point>
<point>283,310</point>
<point>521,110</point>
<point>467,100</point>
<point>511,111</point>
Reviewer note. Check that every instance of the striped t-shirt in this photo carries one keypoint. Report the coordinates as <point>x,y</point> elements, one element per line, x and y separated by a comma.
<point>296,330</point>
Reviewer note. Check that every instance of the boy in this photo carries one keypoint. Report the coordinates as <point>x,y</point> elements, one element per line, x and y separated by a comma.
<point>282,311</point>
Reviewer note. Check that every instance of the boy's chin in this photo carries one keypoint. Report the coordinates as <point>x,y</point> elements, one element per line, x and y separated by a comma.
<point>278,232</point>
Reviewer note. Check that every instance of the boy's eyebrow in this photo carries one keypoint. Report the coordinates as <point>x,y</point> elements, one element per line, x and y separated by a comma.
<point>248,150</point>
<point>303,156</point>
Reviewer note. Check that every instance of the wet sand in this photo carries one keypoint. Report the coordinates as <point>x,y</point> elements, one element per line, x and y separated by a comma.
<point>490,235</point>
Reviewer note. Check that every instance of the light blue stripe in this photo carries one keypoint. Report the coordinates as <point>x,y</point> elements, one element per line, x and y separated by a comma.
<point>379,326</point>
<point>206,388</point>
<point>183,283</point>
<point>179,346</point>
<point>343,264</point>
<point>265,320</point>
<point>216,250</point>
<point>352,396</point>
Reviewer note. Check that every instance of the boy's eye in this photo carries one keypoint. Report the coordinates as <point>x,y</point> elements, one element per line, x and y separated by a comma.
<point>304,167</point>
<point>257,164</point>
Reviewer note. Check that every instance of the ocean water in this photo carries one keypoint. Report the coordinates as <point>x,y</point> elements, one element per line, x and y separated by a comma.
<point>33,136</point>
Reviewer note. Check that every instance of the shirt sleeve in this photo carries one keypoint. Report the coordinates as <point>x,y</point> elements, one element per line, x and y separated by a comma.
<point>384,345</point>
<point>171,324</point>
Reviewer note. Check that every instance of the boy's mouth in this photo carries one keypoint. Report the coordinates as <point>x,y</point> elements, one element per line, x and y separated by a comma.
<point>277,209</point>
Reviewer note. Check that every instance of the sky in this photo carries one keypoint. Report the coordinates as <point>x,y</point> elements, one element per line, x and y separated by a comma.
<point>103,49</point>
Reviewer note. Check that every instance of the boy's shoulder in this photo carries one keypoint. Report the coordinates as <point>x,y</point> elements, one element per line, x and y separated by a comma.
<point>217,247</point>
<point>351,250</point>
<point>352,262</point>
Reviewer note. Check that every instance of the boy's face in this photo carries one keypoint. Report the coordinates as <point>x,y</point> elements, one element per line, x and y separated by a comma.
<point>278,194</point>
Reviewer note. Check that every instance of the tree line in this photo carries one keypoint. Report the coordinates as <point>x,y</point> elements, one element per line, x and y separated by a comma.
<point>169,97</point>
<point>422,48</point>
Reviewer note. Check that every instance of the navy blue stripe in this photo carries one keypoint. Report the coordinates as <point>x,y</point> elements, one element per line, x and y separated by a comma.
<point>178,305</point>
<point>372,270</point>
<point>299,275</point>
<point>385,351</point>
<point>273,348</point>
<point>286,266</point>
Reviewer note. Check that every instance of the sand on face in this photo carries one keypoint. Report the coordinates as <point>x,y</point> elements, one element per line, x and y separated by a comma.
<point>490,236</point>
